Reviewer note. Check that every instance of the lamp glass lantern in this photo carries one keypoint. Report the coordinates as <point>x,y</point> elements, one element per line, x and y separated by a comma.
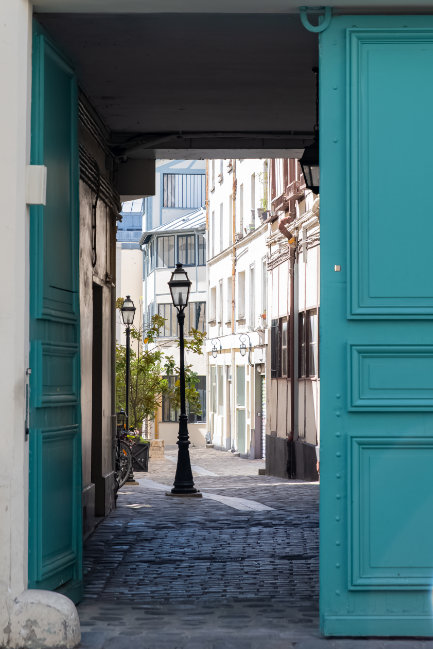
<point>180,286</point>
<point>310,165</point>
<point>128,311</point>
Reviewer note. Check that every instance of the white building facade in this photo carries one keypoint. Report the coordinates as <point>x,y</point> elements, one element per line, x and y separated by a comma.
<point>180,241</point>
<point>293,382</point>
<point>238,302</point>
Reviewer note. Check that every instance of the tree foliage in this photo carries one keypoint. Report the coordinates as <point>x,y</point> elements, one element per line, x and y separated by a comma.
<point>148,371</point>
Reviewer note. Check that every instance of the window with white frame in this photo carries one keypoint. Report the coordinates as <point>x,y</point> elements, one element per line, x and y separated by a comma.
<point>230,219</point>
<point>253,199</point>
<point>201,250</point>
<point>241,209</point>
<point>220,302</point>
<point>241,296</point>
<point>264,287</point>
<point>251,297</point>
<point>229,291</point>
<point>308,343</point>
<point>186,249</point>
<point>221,227</point>
<point>212,305</point>
<point>184,190</point>
<point>165,252</point>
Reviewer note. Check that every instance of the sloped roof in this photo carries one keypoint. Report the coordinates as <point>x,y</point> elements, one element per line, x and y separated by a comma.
<point>195,220</point>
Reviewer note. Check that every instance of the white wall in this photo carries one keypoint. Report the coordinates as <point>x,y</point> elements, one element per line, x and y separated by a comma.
<point>129,281</point>
<point>223,333</point>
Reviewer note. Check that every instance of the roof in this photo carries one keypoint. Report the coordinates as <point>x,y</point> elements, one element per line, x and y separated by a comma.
<point>195,220</point>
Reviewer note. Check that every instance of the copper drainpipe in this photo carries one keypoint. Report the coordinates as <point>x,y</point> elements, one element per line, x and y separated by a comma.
<point>282,226</point>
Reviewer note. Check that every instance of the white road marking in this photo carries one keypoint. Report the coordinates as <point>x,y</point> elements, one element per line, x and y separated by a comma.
<point>241,504</point>
<point>198,470</point>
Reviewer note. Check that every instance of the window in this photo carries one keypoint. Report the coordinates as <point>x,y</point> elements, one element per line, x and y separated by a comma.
<point>284,346</point>
<point>252,301</point>
<point>169,312</point>
<point>213,390</point>
<point>195,316</point>
<point>280,348</point>
<point>312,340</point>
<point>230,219</point>
<point>220,375</point>
<point>212,181</point>
<point>165,252</point>
<point>150,256</point>
<point>221,227</point>
<point>241,209</point>
<point>212,235</point>
<point>308,335</point>
<point>264,286</point>
<point>201,241</point>
<point>229,285</point>
<point>171,414</point>
<point>241,295</point>
<point>186,249</point>
<point>275,349</point>
<point>253,198</point>
<point>184,190</point>
<point>220,302</point>
<point>201,389</point>
<point>212,307</point>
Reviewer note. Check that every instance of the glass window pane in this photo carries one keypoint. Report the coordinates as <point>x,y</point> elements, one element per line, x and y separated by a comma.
<point>240,385</point>
<point>220,390</point>
<point>213,388</point>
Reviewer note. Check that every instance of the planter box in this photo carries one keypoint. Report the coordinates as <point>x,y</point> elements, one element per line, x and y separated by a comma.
<point>140,456</point>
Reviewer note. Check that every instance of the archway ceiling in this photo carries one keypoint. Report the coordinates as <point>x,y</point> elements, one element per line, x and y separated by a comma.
<point>186,84</point>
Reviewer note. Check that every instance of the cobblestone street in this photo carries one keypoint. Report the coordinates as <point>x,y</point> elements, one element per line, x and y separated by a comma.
<point>236,569</point>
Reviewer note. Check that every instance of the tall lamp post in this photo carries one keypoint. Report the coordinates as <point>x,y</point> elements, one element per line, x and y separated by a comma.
<point>180,285</point>
<point>128,313</point>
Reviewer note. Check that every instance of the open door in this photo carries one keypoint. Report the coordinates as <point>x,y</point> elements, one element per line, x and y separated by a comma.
<point>376,139</point>
<point>55,538</point>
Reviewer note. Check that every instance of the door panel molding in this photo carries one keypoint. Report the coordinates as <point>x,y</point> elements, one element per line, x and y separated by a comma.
<point>386,378</point>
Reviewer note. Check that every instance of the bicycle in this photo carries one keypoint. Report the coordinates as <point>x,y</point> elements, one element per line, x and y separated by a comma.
<point>123,459</point>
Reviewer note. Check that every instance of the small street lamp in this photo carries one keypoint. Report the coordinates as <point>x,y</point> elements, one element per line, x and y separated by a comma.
<point>183,485</point>
<point>128,313</point>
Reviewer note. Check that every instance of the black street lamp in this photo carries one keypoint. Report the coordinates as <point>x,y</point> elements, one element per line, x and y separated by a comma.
<point>183,485</point>
<point>128,313</point>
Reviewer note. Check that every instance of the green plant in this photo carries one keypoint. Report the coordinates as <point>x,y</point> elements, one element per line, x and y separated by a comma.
<point>149,369</point>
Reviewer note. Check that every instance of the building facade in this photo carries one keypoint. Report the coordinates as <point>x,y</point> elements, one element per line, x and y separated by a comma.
<point>376,351</point>
<point>129,262</point>
<point>179,241</point>
<point>293,422</point>
<point>238,302</point>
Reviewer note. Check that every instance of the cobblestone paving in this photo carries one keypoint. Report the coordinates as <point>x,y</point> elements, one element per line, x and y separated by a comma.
<point>171,573</point>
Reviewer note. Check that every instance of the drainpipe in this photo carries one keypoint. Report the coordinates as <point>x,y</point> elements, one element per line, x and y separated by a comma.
<point>282,226</point>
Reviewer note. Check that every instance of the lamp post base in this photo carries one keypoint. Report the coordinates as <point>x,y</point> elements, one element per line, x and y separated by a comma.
<point>193,494</point>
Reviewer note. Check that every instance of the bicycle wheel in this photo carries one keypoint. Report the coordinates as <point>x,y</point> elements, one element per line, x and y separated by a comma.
<point>124,463</point>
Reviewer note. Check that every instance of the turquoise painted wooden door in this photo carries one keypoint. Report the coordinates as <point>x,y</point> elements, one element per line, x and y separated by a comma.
<point>376,138</point>
<point>55,444</point>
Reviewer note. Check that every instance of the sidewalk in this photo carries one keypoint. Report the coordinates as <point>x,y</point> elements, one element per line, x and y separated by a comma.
<point>236,569</point>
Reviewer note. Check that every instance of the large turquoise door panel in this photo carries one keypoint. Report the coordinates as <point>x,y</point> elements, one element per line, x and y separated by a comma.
<point>55,537</point>
<point>376,137</point>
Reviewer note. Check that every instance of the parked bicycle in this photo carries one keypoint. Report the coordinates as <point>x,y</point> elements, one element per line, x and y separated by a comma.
<point>123,459</point>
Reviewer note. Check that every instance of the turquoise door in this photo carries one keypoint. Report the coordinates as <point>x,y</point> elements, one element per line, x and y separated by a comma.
<point>376,138</point>
<point>55,445</point>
